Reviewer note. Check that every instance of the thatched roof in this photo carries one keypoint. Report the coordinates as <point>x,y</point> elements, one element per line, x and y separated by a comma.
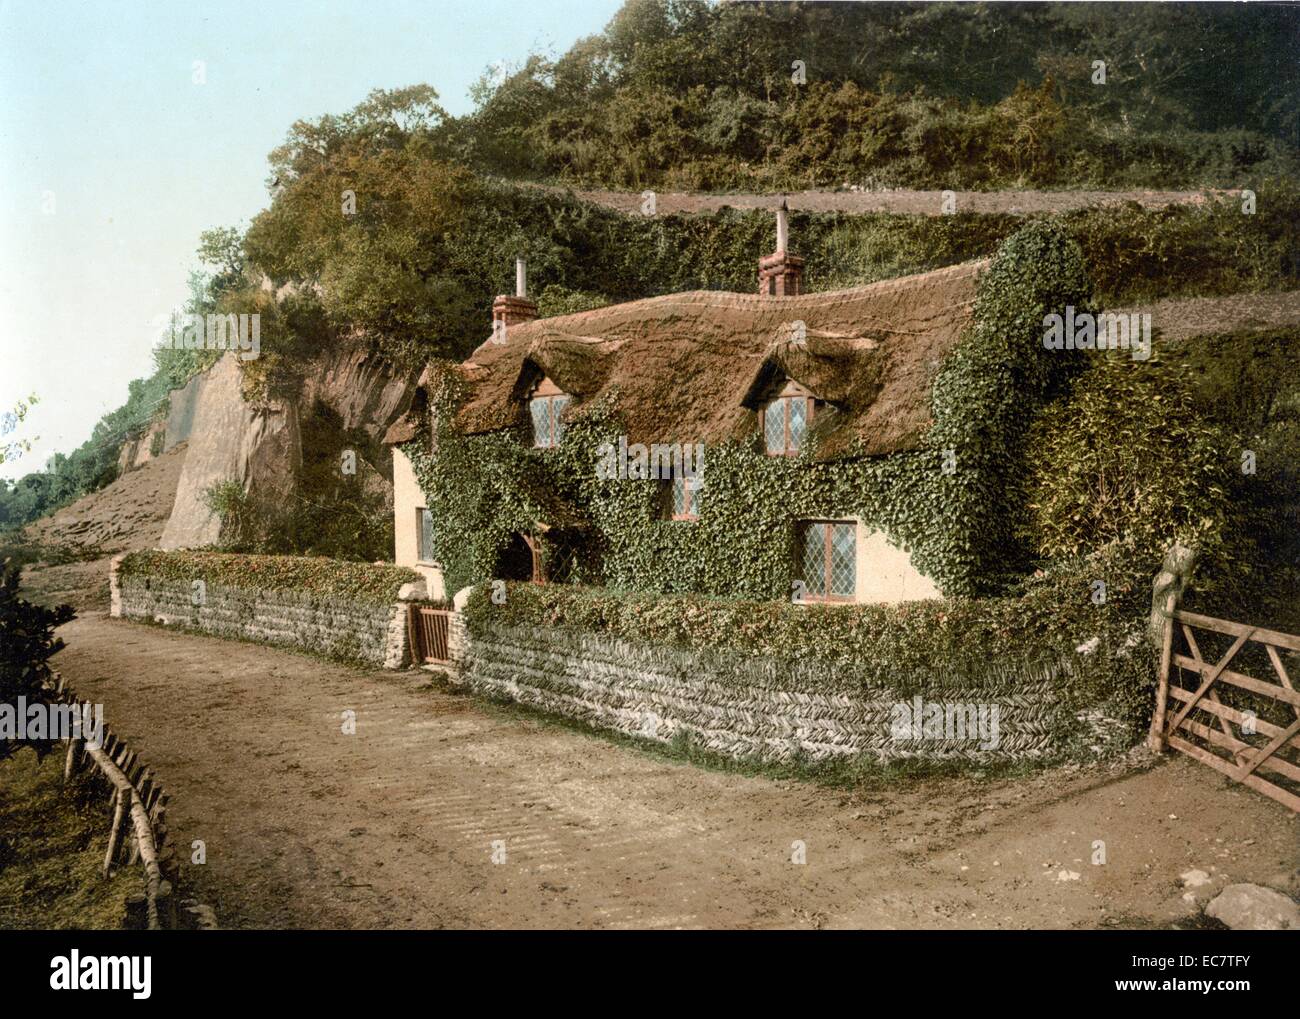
<point>694,367</point>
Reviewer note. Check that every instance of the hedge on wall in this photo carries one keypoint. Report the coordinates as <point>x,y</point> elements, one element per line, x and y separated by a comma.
<point>361,582</point>
<point>957,523</point>
<point>1084,619</point>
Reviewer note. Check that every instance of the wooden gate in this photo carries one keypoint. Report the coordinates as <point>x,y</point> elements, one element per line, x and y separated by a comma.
<point>428,630</point>
<point>1253,729</point>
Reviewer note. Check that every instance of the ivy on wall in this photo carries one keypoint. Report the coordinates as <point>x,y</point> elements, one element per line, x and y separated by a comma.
<point>952,503</point>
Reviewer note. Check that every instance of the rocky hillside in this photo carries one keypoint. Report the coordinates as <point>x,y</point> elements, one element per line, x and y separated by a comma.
<point>285,453</point>
<point>130,513</point>
<point>71,547</point>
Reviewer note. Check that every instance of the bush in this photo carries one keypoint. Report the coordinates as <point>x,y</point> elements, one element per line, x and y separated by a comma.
<point>1128,455</point>
<point>557,299</point>
<point>26,643</point>
<point>1209,248</point>
<point>1246,384</point>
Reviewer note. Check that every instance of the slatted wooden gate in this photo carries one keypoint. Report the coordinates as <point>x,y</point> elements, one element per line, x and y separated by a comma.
<point>428,631</point>
<point>1251,730</point>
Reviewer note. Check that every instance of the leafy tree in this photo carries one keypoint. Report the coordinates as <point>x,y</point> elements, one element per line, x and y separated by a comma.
<point>385,120</point>
<point>12,449</point>
<point>608,109</point>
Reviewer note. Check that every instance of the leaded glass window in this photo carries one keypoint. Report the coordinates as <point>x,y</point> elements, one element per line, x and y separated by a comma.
<point>425,536</point>
<point>828,560</point>
<point>685,498</point>
<point>548,429</point>
<point>785,423</point>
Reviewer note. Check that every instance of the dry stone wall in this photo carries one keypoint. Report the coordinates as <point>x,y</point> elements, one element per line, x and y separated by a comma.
<point>370,632</point>
<point>750,707</point>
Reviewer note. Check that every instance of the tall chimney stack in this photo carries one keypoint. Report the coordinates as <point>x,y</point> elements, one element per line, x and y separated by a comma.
<point>780,274</point>
<point>517,309</point>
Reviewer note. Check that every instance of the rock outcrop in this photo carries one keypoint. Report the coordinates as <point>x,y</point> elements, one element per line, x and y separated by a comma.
<point>347,399</point>
<point>229,440</point>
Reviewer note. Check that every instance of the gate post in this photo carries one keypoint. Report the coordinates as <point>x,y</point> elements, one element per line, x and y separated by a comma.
<point>1166,595</point>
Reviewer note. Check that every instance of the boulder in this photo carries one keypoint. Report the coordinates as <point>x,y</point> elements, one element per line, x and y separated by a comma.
<point>1246,907</point>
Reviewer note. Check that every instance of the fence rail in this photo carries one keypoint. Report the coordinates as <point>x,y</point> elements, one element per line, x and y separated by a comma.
<point>137,803</point>
<point>1236,740</point>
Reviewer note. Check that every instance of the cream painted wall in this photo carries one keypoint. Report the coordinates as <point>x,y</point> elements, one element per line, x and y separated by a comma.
<point>886,573</point>
<point>407,501</point>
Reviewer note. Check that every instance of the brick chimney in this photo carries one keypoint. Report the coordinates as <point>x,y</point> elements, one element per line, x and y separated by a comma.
<point>513,311</point>
<point>780,274</point>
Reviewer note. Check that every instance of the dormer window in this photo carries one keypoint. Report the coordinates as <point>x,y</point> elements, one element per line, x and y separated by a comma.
<point>786,419</point>
<point>545,404</point>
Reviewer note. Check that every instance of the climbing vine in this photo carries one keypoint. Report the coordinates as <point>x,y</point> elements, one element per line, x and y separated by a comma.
<point>952,502</point>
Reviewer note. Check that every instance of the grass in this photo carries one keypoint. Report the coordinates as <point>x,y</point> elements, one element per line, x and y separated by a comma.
<point>52,844</point>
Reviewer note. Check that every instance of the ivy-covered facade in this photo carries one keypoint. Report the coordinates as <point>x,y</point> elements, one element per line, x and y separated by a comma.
<point>853,446</point>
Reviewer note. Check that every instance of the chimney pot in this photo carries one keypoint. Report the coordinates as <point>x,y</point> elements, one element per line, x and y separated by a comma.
<point>512,310</point>
<point>780,274</point>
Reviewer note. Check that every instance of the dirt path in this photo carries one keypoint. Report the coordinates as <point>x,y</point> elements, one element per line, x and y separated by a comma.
<point>1182,318</point>
<point>394,826</point>
<point>900,200</point>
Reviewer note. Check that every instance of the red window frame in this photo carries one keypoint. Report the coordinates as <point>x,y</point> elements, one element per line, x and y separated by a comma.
<point>689,511</point>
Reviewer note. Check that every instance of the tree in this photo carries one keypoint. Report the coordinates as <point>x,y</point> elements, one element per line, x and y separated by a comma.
<point>12,449</point>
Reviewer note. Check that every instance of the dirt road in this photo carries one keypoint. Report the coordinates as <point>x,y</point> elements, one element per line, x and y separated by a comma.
<point>397,825</point>
<point>1019,202</point>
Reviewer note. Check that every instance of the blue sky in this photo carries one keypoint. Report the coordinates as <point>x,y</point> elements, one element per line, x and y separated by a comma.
<point>113,160</point>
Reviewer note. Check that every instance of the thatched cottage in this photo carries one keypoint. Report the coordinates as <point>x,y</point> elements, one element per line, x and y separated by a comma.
<point>810,378</point>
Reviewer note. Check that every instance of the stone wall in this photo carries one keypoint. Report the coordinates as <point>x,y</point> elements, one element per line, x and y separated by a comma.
<point>368,632</point>
<point>753,707</point>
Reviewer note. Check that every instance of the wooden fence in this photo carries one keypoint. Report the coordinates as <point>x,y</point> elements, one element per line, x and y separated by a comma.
<point>1253,729</point>
<point>137,804</point>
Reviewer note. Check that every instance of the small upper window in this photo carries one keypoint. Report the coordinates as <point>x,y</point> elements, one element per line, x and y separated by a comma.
<point>545,406</point>
<point>785,421</point>
<point>685,498</point>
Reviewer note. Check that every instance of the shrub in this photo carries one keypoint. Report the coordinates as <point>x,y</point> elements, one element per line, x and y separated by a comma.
<point>1128,455</point>
<point>26,643</point>
<point>557,299</point>
<point>230,504</point>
